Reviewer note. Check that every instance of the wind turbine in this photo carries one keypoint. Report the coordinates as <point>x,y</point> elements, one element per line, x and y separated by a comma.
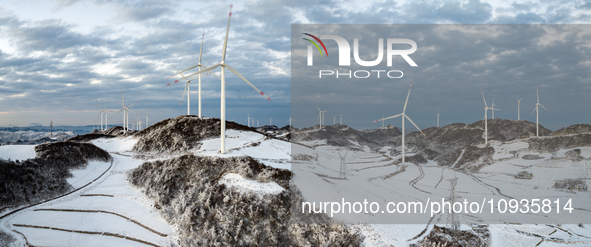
<point>248,118</point>
<point>223,66</point>
<point>493,109</point>
<point>320,116</point>
<point>437,119</point>
<point>334,119</point>
<point>538,112</point>
<point>518,107</point>
<point>126,111</point>
<point>101,114</point>
<point>147,119</point>
<point>290,119</point>
<point>188,85</point>
<point>403,114</point>
<point>341,117</point>
<point>486,108</point>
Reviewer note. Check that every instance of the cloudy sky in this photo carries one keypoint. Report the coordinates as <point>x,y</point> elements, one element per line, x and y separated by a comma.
<point>57,58</point>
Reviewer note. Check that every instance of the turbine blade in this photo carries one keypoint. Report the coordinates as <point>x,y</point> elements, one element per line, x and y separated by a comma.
<point>99,105</point>
<point>118,112</point>
<point>317,107</point>
<point>217,77</point>
<point>227,31</point>
<point>395,116</point>
<point>413,123</point>
<point>537,94</point>
<point>407,96</point>
<point>532,113</point>
<point>544,107</point>
<point>180,74</point>
<point>182,98</point>
<point>244,79</point>
<point>132,111</point>
<point>133,104</point>
<point>202,71</point>
<point>485,105</point>
<point>201,50</point>
<point>190,68</point>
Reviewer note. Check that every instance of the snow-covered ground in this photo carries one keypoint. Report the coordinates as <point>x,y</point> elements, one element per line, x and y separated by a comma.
<point>242,184</point>
<point>17,152</point>
<point>379,178</point>
<point>108,212</point>
<point>110,205</point>
<point>271,152</point>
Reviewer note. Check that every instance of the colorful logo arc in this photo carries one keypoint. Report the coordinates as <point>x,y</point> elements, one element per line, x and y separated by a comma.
<point>314,43</point>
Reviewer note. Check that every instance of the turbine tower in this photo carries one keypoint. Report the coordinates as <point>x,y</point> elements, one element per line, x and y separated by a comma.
<point>334,120</point>
<point>188,85</point>
<point>341,117</point>
<point>437,119</point>
<point>223,66</point>
<point>403,114</point>
<point>518,107</point>
<point>538,112</point>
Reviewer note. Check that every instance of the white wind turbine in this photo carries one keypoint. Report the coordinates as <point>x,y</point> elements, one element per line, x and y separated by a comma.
<point>126,111</point>
<point>341,117</point>
<point>486,108</point>
<point>147,119</point>
<point>320,116</point>
<point>437,119</point>
<point>493,109</point>
<point>248,118</point>
<point>334,119</point>
<point>101,114</point>
<point>223,66</point>
<point>403,114</point>
<point>538,112</point>
<point>289,120</point>
<point>518,107</point>
<point>188,85</point>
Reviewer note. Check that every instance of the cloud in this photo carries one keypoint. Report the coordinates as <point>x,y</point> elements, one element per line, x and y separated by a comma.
<point>59,65</point>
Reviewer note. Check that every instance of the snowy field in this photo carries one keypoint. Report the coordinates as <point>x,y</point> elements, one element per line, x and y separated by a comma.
<point>380,178</point>
<point>17,152</point>
<point>109,212</point>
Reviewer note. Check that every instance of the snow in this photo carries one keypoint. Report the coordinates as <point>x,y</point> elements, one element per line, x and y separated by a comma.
<point>240,183</point>
<point>17,152</point>
<point>118,145</point>
<point>123,210</point>
<point>84,176</point>
<point>371,176</point>
<point>271,152</point>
